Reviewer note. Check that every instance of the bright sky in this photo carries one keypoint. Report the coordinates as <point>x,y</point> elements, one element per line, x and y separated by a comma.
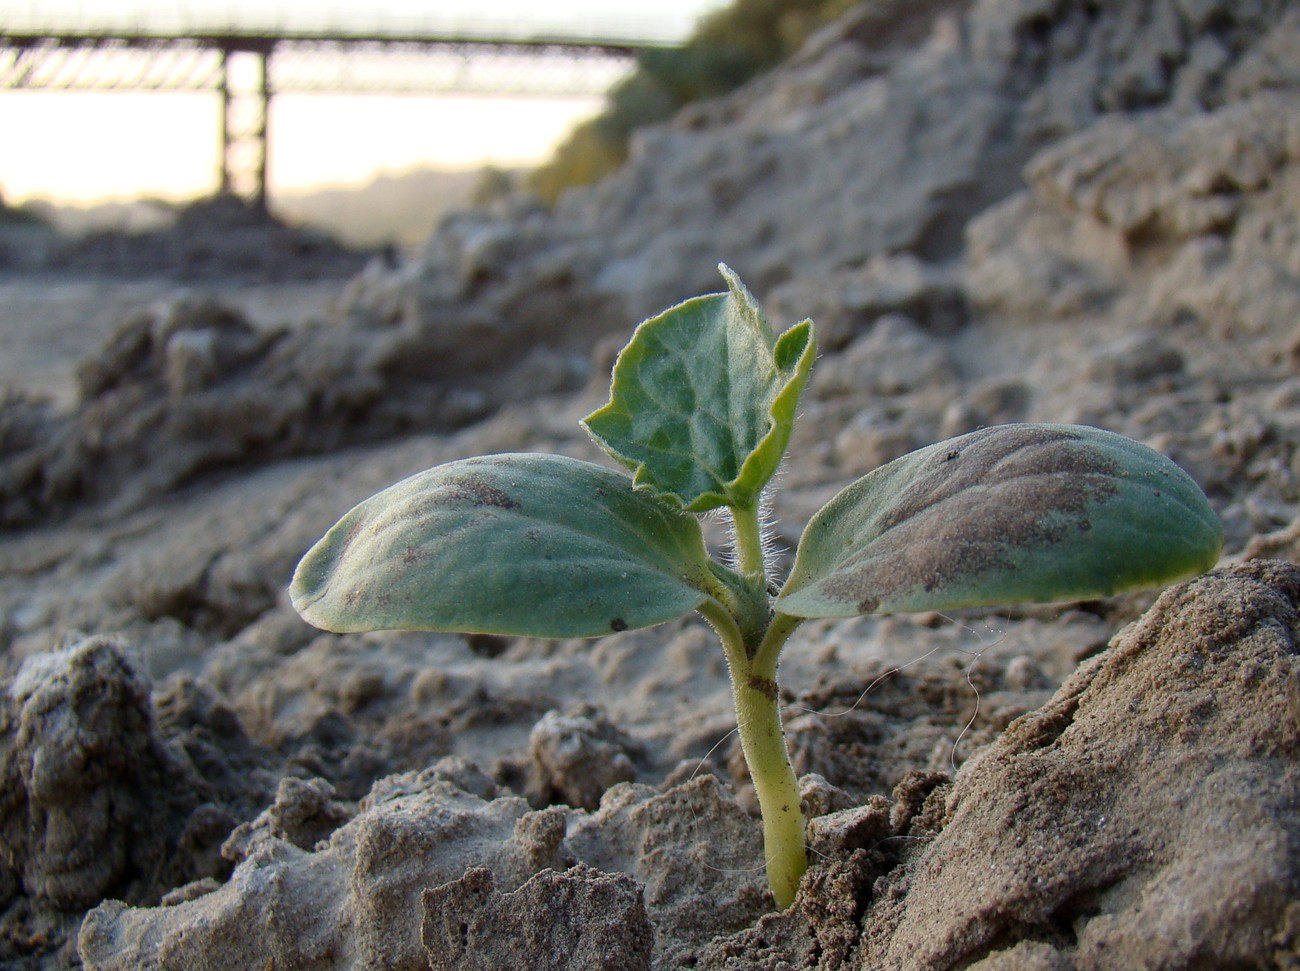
<point>87,147</point>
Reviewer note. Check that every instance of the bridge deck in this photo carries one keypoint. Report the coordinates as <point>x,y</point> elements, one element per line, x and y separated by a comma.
<point>269,25</point>
<point>70,45</point>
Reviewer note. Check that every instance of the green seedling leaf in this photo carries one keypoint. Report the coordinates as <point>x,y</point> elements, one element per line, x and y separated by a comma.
<point>1007,514</point>
<point>703,400</point>
<point>535,545</point>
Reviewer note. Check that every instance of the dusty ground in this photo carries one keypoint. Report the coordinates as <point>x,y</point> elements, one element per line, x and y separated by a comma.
<point>216,702</point>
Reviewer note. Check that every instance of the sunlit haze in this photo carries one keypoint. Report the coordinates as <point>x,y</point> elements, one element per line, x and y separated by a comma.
<point>95,146</point>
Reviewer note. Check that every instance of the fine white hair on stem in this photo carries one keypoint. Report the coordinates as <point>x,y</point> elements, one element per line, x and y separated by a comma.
<point>768,536</point>
<point>767,531</point>
<point>730,554</point>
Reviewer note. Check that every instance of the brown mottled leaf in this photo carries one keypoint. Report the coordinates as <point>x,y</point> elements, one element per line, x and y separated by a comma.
<point>1010,513</point>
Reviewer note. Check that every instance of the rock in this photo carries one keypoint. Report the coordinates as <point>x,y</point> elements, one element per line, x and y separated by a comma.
<point>1134,361</point>
<point>93,800</point>
<point>111,791</point>
<point>987,402</point>
<point>1129,185</point>
<point>892,358</point>
<point>1167,175</point>
<point>304,813</point>
<point>897,286</point>
<point>190,341</point>
<point>838,834</point>
<point>99,798</point>
<point>870,440</point>
<point>1104,811</point>
<point>1024,260</point>
<point>352,900</point>
<point>355,900</point>
<point>577,756</point>
<point>579,920</point>
<point>38,469</point>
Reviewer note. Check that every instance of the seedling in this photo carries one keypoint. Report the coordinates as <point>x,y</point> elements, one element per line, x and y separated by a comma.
<point>701,408</point>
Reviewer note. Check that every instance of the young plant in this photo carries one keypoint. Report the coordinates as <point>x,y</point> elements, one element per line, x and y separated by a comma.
<point>701,408</point>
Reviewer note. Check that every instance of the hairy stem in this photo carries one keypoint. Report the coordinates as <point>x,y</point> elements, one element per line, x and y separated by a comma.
<point>758,715</point>
<point>769,648</point>
<point>748,535</point>
<point>762,739</point>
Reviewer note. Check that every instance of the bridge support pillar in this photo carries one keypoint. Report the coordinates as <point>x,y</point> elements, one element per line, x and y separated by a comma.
<point>245,91</point>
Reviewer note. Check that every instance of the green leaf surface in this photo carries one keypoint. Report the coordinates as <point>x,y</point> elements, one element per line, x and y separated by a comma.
<point>537,545</point>
<point>1007,514</point>
<point>703,399</point>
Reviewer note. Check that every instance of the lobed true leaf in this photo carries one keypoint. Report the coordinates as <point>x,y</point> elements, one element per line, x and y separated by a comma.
<point>703,399</point>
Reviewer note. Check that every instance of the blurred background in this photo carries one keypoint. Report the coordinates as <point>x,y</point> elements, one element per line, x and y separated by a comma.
<point>366,120</point>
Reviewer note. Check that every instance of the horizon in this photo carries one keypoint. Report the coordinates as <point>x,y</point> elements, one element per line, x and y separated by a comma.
<point>290,193</point>
<point>141,157</point>
<point>165,145</point>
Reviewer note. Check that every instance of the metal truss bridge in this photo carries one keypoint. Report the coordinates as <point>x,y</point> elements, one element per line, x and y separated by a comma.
<point>246,58</point>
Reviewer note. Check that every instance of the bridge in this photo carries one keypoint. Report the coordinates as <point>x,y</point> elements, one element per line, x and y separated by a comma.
<point>248,54</point>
